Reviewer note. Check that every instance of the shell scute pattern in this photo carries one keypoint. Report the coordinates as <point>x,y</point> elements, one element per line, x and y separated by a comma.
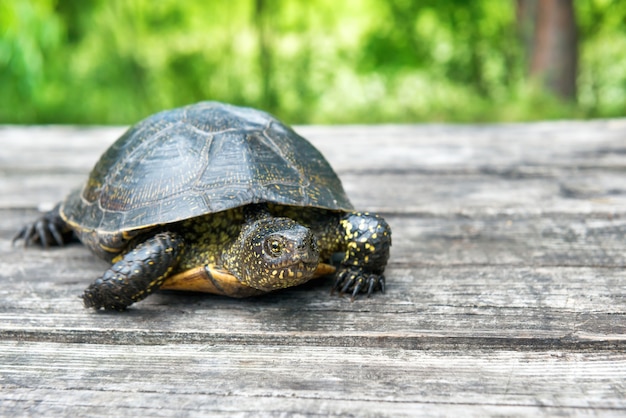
<point>201,159</point>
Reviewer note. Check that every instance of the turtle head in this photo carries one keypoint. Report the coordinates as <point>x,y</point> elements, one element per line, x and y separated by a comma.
<point>272,253</point>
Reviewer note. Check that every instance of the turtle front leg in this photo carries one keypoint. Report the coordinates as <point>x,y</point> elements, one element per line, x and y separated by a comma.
<point>367,240</point>
<point>137,274</point>
<point>50,229</point>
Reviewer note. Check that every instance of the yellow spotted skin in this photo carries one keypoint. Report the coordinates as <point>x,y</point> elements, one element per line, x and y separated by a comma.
<point>364,239</point>
<point>136,274</point>
<point>208,236</point>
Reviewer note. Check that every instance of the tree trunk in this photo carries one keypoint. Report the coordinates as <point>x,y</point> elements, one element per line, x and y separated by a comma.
<point>548,29</point>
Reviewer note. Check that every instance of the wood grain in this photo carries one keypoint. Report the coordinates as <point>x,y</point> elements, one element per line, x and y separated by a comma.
<point>506,289</point>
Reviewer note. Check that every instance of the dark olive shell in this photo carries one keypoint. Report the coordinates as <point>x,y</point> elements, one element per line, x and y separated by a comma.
<point>201,159</point>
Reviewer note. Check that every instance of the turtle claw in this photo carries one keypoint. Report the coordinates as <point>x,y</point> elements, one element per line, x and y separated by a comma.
<point>49,230</point>
<point>356,281</point>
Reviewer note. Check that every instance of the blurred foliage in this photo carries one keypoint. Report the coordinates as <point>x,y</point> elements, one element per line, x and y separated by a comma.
<point>319,61</point>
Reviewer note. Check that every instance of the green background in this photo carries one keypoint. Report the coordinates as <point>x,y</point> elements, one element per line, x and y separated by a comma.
<point>314,61</point>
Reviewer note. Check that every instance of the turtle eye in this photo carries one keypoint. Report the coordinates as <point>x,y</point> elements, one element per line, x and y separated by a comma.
<point>274,247</point>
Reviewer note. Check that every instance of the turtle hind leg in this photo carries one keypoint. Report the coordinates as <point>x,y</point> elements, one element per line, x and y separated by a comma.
<point>50,229</point>
<point>137,274</point>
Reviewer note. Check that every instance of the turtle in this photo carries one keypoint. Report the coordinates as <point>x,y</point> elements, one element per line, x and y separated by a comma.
<point>216,198</point>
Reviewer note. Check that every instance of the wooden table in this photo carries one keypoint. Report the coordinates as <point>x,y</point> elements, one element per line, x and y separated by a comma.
<point>506,289</point>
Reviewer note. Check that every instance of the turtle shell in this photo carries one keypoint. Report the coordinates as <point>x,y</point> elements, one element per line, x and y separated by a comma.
<point>201,159</point>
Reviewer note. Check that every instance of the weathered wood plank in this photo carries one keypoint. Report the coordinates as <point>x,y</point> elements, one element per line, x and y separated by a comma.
<point>415,148</point>
<point>527,168</point>
<point>533,240</point>
<point>564,191</point>
<point>383,381</point>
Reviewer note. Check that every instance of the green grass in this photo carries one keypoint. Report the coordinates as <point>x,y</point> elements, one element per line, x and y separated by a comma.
<point>321,61</point>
